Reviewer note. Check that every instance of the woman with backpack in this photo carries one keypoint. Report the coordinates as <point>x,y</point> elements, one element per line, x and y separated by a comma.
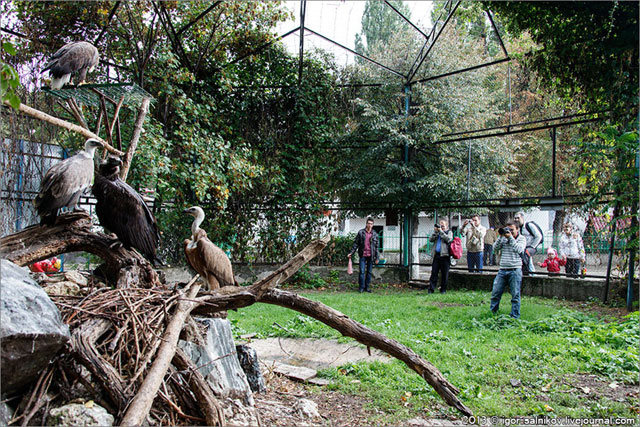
<point>441,238</point>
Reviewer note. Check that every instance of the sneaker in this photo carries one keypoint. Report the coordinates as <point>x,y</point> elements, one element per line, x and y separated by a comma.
<point>368,290</point>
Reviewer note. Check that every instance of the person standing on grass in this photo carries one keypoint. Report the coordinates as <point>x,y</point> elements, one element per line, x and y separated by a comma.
<point>571,250</point>
<point>474,232</point>
<point>440,255</point>
<point>366,243</point>
<point>490,238</point>
<point>511,244</point>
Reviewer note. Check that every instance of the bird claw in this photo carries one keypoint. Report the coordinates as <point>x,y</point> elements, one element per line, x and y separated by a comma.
<point>115,244</point>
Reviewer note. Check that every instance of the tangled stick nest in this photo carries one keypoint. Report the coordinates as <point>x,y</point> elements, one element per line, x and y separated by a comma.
<point>126,327</point>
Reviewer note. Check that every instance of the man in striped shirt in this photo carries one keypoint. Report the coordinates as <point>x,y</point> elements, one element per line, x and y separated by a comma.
<point>512,244</point>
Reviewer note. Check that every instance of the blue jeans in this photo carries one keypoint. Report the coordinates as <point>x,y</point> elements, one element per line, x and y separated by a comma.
<point>366,264</point>
<point>474,261</point>
<point>513,277</point>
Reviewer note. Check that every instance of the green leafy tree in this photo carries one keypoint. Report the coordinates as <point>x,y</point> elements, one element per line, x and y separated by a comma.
<point>379,24</point>
<point>588,52</point>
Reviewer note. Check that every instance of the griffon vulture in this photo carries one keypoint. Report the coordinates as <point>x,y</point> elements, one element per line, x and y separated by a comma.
<point>206,258</point>
<point>64,183</point>
<point>75,58</point>
<point>123,211</point>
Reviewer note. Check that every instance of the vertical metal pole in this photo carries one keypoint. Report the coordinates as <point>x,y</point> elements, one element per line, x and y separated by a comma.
<point>303,10</point>
<point>632,251</point>
<point>611,246</point>
<point>509,78</point>
<point>407,212</point>
<point>469,170</point>
<point>553,164</point>
<point>20,185</point>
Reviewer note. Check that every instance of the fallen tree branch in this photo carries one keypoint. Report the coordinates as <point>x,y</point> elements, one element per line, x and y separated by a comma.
<point>83,345</point>
<point>40,115</point>
<point>350,328</point>
<point>200,387</point>
<point>141,403</point>
<point>71,233</point>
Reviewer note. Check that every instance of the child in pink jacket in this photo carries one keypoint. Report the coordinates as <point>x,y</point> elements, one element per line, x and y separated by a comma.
<point>552,263</point>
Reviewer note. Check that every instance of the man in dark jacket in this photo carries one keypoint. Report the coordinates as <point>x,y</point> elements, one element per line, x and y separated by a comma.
<point>366,244</point>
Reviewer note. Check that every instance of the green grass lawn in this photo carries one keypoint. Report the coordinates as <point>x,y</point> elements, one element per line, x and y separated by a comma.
<point>550,354</point>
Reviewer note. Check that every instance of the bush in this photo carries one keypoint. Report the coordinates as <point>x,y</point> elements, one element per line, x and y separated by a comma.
<point>336,252</point>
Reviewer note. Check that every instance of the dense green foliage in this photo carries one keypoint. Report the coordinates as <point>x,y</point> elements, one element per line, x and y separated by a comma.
<point>236,132</point>
<point>589,55</point>
<point>552,351</point>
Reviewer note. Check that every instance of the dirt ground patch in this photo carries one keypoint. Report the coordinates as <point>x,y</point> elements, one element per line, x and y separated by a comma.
<point>592,387</point>
<point>277,407</point>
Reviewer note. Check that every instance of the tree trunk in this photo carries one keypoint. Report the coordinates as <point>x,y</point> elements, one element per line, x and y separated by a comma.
<point>70,233</point>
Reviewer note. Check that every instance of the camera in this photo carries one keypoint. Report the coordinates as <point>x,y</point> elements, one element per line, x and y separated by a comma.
<point>436,226</point>
<point>504,230</point>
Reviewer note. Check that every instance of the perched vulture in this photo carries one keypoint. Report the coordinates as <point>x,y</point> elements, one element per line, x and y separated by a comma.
<point>64,183</point>
<point>75,58</point>
<point>123,211</point>
<point>207,259</point>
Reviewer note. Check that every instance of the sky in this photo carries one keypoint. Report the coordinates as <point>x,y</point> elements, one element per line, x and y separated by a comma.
<point>340,20</point>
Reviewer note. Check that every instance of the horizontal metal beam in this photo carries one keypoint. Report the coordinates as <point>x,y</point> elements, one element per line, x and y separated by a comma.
<point>451,73</point>
<point>513,132</point>
<point>366,58</point>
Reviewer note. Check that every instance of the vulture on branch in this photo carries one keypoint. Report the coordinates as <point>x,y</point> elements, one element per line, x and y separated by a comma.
<point>123,211</point>
<point>206,258</point>
<point>75,58</point>
<point>64,183</point>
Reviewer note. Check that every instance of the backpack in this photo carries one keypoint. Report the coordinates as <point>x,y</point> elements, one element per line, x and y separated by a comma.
<point>528,226</point>
<point>455,248</point>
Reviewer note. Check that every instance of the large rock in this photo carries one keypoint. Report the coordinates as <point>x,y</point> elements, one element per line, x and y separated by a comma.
<point>76,414</point>
<point>248,359</point>
<point>31,329</point>
<point>218,363</point>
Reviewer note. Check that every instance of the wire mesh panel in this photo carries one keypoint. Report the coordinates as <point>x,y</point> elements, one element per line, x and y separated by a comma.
<point>27,153</point>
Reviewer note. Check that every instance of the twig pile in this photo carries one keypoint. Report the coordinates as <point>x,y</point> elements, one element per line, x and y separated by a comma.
<point>115,335</point>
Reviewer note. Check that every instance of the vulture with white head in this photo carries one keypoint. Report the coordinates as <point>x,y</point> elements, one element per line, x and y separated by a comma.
<point>122,210</point>
<point>65,182</point>
<point>207,259</point>
<point>73,59</point>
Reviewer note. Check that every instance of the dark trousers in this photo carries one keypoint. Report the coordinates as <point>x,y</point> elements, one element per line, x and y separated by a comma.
<point>366,264</point>
<point>474,261</point>
<point>572,268</point>
<point>440,265</point>
<point>488,254</point>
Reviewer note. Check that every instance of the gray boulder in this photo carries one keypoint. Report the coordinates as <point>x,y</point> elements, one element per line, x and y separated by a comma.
<point>248,359</point>
<point>31,329</point>
<point>76,414</point>
<point>217,361</point>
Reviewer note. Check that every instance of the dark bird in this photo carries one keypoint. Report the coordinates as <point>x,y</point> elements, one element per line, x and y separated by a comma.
<point>207,259</point>
<point>64,183</point>
<point>122,210</point>
<point>75,58</point>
